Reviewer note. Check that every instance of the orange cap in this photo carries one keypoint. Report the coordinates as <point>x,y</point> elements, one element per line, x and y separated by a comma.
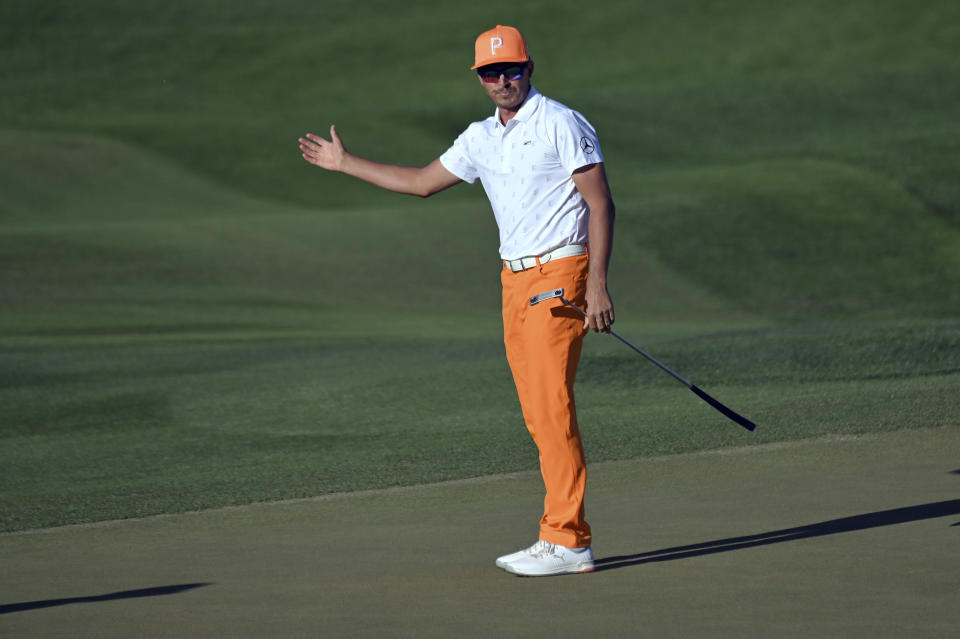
<point>500,44</point>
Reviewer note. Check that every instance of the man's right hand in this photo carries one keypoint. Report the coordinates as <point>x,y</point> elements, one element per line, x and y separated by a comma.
<point>330,155</point>
<point>327,154</point>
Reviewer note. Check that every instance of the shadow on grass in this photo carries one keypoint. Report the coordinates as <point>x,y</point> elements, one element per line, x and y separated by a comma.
<point>113,596</point>
<point>831,527</point>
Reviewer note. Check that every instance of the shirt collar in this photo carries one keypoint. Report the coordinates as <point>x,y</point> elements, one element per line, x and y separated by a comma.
<point>527,109</point>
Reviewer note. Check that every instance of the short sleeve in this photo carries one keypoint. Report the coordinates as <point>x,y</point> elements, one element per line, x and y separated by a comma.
<point>577,142</point>
<point>457,160</point>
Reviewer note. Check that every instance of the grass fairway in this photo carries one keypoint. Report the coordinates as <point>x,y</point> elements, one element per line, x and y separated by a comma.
<point>193,317</point>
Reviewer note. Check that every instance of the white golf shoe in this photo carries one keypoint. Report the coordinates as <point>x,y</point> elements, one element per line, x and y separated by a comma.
<point>543,559</point>
<point>520,554</point>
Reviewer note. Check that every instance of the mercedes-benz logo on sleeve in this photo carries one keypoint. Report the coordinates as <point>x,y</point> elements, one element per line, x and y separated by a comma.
<point>586,145</point>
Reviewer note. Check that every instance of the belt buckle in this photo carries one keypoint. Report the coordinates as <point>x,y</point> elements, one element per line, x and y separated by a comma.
<point>521,263</point>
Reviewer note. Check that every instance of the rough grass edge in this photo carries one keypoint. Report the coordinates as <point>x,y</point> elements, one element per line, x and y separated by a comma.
<point>749,449</point>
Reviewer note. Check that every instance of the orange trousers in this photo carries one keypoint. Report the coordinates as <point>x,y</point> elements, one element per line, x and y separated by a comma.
<point>543,344</point>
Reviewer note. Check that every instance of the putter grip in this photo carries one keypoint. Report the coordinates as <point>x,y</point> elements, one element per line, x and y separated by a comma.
<point>740,419</point>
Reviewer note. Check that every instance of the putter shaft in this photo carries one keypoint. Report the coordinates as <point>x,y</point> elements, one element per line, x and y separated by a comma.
<point>732,415</point>
<point>623,339</point>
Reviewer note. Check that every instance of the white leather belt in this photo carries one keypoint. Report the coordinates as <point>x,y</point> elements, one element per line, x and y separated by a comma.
<point>523,263</point>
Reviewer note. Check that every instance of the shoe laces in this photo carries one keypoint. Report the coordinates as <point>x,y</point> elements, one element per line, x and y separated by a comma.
<point>543,549</point>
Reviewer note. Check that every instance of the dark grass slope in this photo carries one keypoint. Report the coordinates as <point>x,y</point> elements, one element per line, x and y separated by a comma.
<point>226,88</point>
<point>194,317</point>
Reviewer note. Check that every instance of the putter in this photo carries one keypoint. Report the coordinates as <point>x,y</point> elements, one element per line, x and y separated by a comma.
<point>557,293</point>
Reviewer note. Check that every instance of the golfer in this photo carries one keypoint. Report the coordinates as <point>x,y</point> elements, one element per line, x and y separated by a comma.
<point>542,169</point>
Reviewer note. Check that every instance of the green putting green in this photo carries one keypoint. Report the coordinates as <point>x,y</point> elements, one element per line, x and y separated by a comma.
<point>841,536</point>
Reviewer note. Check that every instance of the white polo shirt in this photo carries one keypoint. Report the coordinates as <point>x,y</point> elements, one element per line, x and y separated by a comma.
<point>526,168</point>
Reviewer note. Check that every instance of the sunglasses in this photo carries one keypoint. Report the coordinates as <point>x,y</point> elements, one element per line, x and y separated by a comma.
<point>493,72</point>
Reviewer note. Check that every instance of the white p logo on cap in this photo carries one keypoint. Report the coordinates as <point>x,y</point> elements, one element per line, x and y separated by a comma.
<point>495,43</point>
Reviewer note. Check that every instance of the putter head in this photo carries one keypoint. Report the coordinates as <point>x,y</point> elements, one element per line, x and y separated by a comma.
<point>546,295</point>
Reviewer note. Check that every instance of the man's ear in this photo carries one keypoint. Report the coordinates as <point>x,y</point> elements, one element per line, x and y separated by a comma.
<point>531,68</point>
